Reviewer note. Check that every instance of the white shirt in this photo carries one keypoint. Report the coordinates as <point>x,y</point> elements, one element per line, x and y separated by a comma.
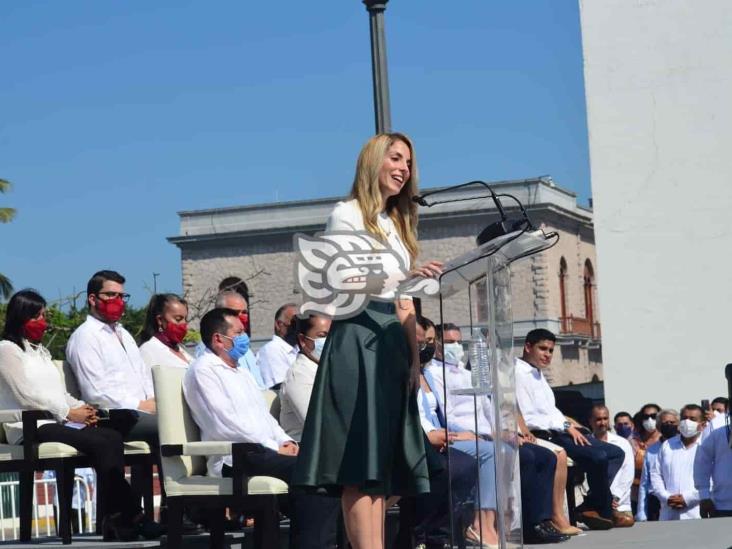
<point>536,399</point>
<point>295,395</point>
<point>714,462</point>
<point>227,405</point>
<point>623,481</point>
<point>346,216</point>
<point>673,473</point>
<point>155,352</point>
<point>460,410</point>
<point>31,381</point>
<point>274,360</point>
<point>108,365</point>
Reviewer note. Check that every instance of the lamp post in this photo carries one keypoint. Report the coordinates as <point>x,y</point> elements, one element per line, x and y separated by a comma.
<point>155,282</point>
<point>382,109</point>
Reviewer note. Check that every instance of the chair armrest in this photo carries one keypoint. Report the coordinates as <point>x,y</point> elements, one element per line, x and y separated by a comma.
<point>11,416</point>
<point>30,431</point>
<point>207,448</point>
<point>237,450</point>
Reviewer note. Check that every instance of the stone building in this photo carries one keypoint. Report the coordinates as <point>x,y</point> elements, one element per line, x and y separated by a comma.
<point>555,289</point>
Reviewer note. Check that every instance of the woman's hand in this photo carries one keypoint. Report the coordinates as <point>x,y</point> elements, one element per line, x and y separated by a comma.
<point>83,414</point>
<point>431,269</point>
<point>439,439</point>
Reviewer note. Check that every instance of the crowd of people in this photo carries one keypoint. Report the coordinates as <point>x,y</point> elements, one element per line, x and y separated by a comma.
<point>363,421</point>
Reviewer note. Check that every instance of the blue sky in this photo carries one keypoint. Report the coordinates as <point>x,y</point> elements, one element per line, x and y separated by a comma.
<point>116,115</point>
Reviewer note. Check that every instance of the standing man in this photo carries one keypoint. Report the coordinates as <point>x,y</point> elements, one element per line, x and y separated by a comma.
<point>712,476</point>
<point>106,361</point>
<point>600,460</point>
<point>277,356</point>
<point>623,481</point>
<point>672,476</point>
<point>234,300</point>
<point>649,507</point>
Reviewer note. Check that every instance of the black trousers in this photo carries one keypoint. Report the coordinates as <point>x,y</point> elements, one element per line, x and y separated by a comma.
<point>432,510</point>
<point>601,462</point>
<point>313,518</point>
<point>106,452</point>
<point>538,466</point>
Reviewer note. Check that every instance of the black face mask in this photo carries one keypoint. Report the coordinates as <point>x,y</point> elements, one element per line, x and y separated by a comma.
<point>669,430</point>
<point>426,353</point>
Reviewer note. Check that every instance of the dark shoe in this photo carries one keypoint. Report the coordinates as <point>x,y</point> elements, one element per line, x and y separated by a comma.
<point>114,528</point>
<point>543,533</point>
<point>623,519</point>
<point>594,521</point>
<point>149,529</point>
<point>190,528</point>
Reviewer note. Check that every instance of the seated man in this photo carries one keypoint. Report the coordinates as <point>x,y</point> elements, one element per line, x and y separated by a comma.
<point>672,476</point>
<point>226,404</point>
<point>600,460</point>
<point>623,481</point>
<point>106,361</point>
<point>295,391</point>
<point>277,356</point>
<point>537,464</point>
<point>232,299</point>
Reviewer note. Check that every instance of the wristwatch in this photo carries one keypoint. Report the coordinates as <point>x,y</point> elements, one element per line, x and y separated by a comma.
<point>567,425</point>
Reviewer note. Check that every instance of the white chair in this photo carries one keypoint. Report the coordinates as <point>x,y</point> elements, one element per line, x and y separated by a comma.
<point>138,455</point>
<point>184,470</point>
<point>31,456</point>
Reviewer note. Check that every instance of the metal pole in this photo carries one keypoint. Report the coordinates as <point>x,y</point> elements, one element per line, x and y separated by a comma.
<point>382,109</point>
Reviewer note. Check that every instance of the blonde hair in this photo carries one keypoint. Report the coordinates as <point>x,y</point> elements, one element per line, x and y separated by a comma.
<point>365,190</point>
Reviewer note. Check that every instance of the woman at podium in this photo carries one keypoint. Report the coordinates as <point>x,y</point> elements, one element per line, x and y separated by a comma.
<point>362,437</point>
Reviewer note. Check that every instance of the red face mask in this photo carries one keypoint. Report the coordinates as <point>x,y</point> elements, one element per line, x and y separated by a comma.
<point>176,332</point>
<point>34,329</point>
<point>111,309</point>
<point>244,318</point>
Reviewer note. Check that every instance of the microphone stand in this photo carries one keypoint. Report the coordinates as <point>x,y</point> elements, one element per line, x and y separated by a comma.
<point>494,230</point>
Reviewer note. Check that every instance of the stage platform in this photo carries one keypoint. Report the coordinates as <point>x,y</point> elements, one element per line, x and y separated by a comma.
<point>679,534</point>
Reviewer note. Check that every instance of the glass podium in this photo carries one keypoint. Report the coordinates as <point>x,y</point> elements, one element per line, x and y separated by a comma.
<point>482,278</point>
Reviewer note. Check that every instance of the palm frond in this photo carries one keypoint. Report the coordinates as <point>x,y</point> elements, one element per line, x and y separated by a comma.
<point>6,287</point>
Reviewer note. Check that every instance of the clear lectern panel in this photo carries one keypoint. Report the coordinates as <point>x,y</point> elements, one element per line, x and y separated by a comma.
<point>479,389</point>
<point>480,399</point>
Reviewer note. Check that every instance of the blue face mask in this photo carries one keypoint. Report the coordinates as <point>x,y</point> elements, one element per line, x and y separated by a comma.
<point>240,346</point>
<point>624,430</point>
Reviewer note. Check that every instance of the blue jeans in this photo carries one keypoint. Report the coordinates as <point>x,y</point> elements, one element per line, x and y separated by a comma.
<point>487,469</point>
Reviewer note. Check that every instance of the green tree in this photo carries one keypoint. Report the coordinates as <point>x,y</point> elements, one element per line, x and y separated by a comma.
<point>6,215</point>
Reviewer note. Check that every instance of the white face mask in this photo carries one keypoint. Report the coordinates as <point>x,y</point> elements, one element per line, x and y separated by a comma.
<point>318,343</point>
<point>649,424</point>
<point>688,428</point>
<point>454,353</point>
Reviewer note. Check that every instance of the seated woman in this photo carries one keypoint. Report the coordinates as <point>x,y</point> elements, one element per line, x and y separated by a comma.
<point>310,333</point>
<point>30,380</point>
<point>163,332</point>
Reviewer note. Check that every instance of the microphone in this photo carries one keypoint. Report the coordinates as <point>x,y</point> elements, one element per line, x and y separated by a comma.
<point>419,199</point>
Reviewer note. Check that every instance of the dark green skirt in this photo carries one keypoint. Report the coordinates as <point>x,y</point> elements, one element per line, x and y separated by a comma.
<point>362,427</point>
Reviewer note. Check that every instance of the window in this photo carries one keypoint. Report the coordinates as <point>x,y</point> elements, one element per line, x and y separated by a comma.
<point>589,287</point>
<point>562,289</point>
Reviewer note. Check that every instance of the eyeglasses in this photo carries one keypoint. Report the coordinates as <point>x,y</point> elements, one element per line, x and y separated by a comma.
<point>114,295</point>
<point>649,416</point>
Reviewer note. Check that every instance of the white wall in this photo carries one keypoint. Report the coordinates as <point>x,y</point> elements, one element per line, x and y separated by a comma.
<point>658,77</point>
